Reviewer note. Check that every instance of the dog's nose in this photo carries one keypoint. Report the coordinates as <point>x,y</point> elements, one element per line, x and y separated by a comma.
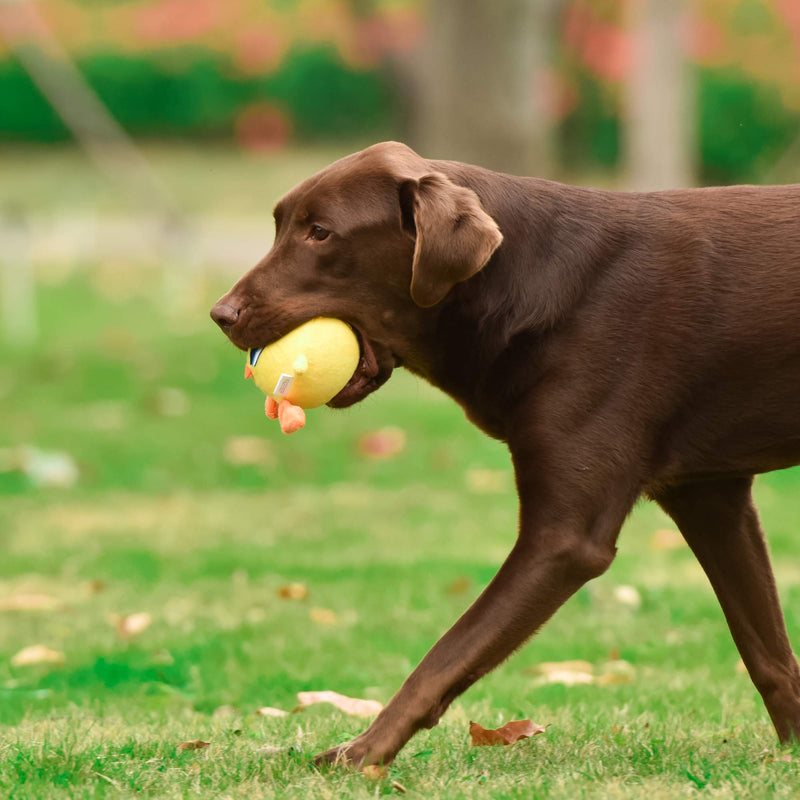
<point>225,315</point>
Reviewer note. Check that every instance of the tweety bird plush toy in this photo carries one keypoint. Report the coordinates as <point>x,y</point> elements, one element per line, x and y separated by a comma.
<point>305,369</point>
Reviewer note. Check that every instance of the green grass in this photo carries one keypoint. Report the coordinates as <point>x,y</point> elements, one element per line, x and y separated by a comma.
<point>41,180</point>
<point>146,404</point>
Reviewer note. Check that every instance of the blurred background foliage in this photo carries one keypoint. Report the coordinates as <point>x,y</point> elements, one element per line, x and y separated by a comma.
<point>268,73</point>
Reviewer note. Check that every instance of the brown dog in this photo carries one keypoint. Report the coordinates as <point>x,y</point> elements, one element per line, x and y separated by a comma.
<point>621,344</point>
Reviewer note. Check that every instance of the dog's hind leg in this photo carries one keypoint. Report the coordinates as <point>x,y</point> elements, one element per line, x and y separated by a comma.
<point>720,523</point>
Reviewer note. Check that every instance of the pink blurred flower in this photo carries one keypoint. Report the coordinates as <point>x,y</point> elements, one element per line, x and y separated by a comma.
<point>262,127</point>
<point>604,48</point>
<point>706,41</point>
<point>790,11</point>
<point>384,33</point>
<point>259,49</point>
<point>177,21</point>
<point>606,51</point>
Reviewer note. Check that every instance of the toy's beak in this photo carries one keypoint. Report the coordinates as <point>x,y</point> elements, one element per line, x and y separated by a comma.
<point>248,371</point>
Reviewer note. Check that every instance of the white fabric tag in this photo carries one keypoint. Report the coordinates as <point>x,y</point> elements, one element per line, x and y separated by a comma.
<point>283,385</point>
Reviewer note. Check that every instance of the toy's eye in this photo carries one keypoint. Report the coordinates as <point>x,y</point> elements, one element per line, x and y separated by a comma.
<point>254,354</point>
<point>318,233</point>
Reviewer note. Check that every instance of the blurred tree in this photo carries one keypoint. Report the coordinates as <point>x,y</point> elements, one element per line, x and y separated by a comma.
<point>482,84</point>
<point>659,109</point>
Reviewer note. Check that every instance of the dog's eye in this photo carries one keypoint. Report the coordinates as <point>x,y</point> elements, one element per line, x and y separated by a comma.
<point>318,233</point>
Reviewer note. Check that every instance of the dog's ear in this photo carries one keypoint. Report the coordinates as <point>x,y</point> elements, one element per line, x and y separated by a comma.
<point>454,236</point>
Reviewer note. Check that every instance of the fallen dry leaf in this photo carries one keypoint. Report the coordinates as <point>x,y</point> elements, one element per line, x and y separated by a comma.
<point>628,596</point>
<point>270,751</point>
<point>195,744</point>
<point>29,601</point>
<point>267,711</point>
<point>383,443</point>
<point>507,734</point>
<point>565,677</point>
<point>666,539</point>
<point>49,469</point>
<point>130,625</point>
<point>373,772</point>
<point>740,668</point>
<point>350,705</point>
<point>614,672</point>
<point>486,481</point>
<point>582,673</point>
<point>293,591</point>
<point>171,402</point>
<point>567,673</point>
<point>323,616</point>
<point>398,787</point>
<point>163,657</point>
<point>242,451</point>
<point>37,654</point>
<point>459,585</point>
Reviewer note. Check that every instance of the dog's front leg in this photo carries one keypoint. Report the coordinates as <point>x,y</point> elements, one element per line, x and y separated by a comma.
<point>563,542</point>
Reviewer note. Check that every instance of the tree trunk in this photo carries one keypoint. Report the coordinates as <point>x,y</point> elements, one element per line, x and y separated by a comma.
<point>482,84</point>
<point>660,125</point>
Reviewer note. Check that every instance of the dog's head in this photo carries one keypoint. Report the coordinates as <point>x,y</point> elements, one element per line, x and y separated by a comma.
<point>377,240</point>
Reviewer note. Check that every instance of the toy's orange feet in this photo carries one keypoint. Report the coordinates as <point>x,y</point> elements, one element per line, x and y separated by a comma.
<point>271,408</point>
<point>291,417</point>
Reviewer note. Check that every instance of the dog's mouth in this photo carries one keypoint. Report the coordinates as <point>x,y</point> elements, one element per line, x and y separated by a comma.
<point>375,365</point>
<point>374,368</point>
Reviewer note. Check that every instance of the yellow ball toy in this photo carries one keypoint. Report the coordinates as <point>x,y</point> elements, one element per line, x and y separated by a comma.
<point>309,366</point>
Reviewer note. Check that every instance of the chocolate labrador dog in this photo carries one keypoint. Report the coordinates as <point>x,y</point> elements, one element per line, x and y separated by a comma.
<point>622,345</point>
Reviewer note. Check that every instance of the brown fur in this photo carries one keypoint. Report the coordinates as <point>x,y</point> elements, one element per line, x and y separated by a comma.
<point>621,344</point>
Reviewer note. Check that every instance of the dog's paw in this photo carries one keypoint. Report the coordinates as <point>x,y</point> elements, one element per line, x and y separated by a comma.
<point>344,755</point>
<point>357,753</point>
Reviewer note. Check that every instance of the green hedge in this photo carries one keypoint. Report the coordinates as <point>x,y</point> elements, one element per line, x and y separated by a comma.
<point>195,93</point>
<point>743,127</point>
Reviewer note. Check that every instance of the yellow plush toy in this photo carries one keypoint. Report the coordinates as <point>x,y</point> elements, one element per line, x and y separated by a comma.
<point>305,369</point>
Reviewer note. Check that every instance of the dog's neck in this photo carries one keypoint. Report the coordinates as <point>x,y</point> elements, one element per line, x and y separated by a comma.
<point>479,341</point>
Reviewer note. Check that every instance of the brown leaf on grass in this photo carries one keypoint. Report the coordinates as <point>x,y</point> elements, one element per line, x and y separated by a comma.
<point>350,705</point>
<point>37,654</point>
<point>243,451</point>
<point>195,744</point>
<point>459,585</point>
<point>171,402</point>
<point>29,601</point>
<point>666,539</point>
<point>740,668</point>
<point>323,616</point>
<point>373,772</point>
<point>293,591</point>
<point>567,673</point>
<point>507,734</point>
<point>95,586</point>
<point>383,443</point>
<point>582,673</point>
<point>268,711</point>
<point>615,672</point>
<point>486,481</point>
<point>130,625</point>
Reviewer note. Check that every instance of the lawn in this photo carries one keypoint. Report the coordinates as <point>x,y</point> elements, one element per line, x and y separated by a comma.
<point>182,502</point>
